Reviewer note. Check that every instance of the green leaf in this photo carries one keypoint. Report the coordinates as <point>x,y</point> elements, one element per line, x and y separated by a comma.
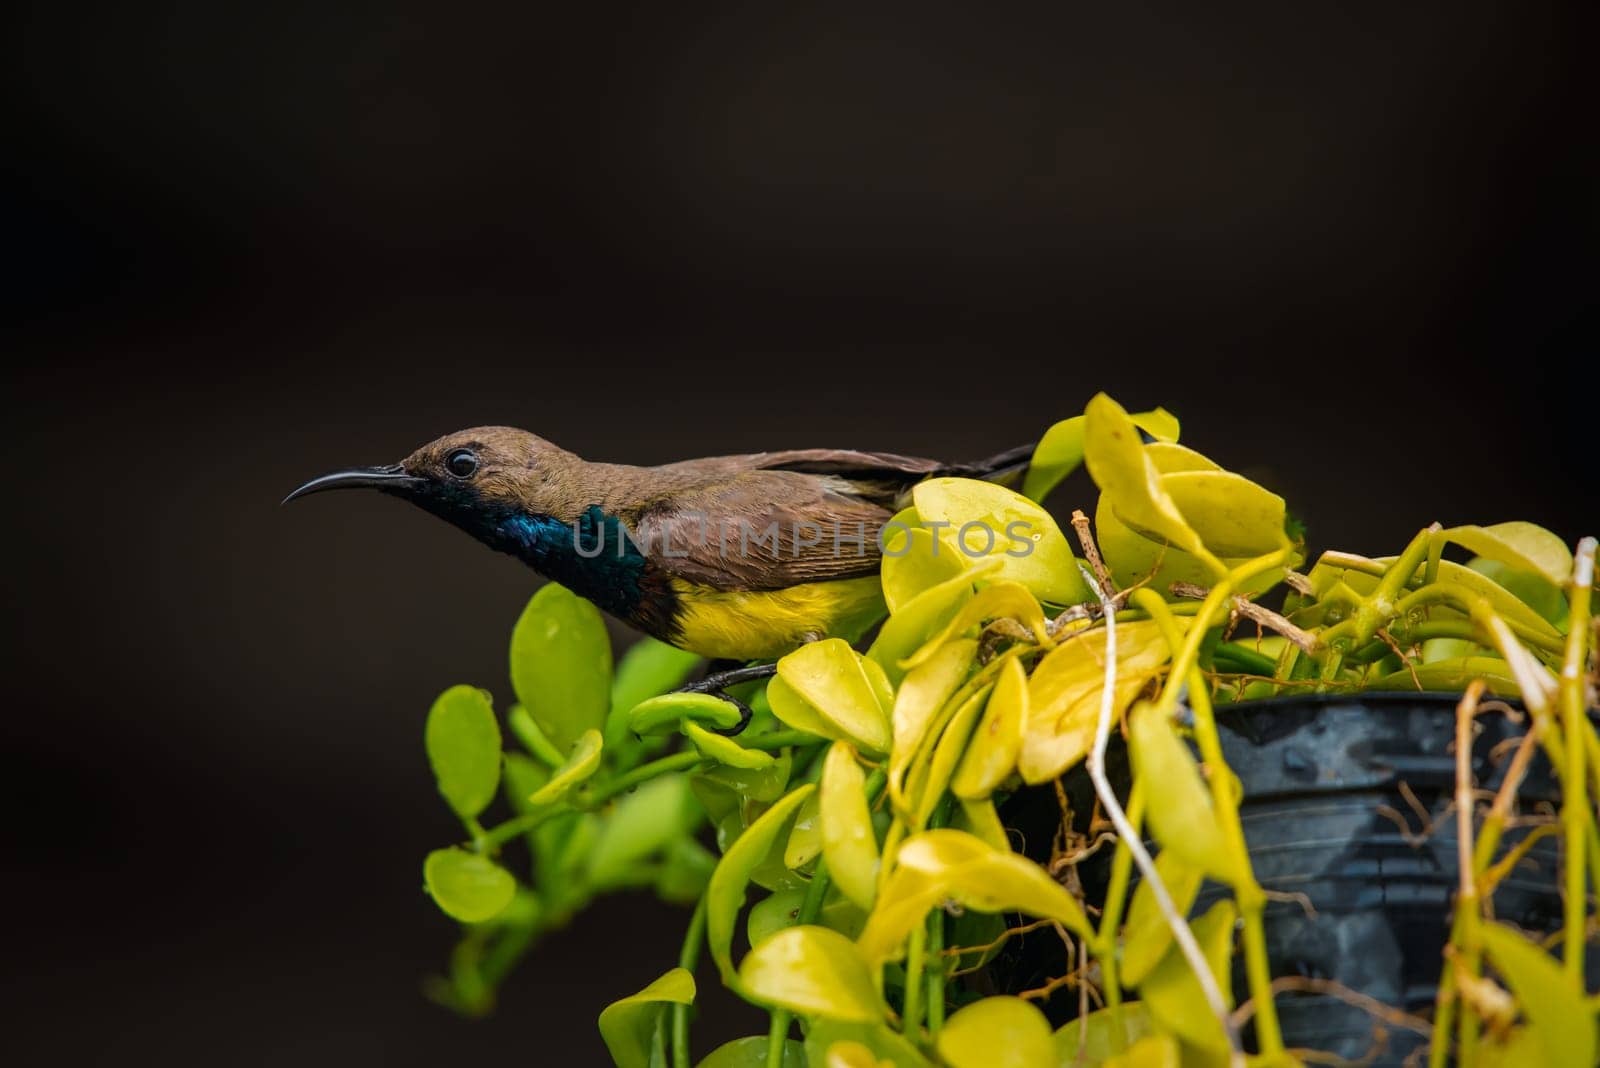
<point>1531,588</point>
<point>991,753</point>
<point>463,743</point>
<point>782,909</point>
<point>639,825</point>
<point>1146,935</point>
<point>1064,692</point>
<point>1060,452</point>
<point>988,522</point>
<point>526,731</point>
<point>662,714</point>
<point>1131,483</point>
<point>812,971</point>
<point>725,750</point>
<point>720,785</point>
<point>648,668</point>
<point>1180,812</point>
<point>1451,675</point>
<point>725,894</point>
<point>828,688</point>
<point>1098,1043</point>
<point>886,1045</point>
<point>685,871</point>
<point>752,1053</point>
<point>1172,992</point>
<point>997,1032</point>
<point>581,763</point>
<point>561,665</point>
<point>468,886</point>
<point>1518,545</point>
<point>848,843</point>
<point>947,864</point>
<point>1558,1016</point>
<point>628,1026</point>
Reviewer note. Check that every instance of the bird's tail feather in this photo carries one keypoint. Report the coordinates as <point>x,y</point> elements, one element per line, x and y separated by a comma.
<point>1001,467</point>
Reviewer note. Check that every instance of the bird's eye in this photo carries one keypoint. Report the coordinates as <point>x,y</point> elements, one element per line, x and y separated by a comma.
<point>462,463</point>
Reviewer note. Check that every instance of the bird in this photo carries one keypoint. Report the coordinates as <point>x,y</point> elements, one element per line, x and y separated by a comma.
<point>733,558</point>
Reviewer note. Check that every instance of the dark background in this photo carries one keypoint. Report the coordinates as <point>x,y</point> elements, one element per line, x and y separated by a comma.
<point>1353,250</point>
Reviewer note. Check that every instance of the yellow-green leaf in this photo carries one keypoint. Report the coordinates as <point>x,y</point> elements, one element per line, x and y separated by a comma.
<point>561,664</point>
<point>947,864</point>
<point>828,688</point>
<point>927,614</point>
<point>725,894</point>
<point>725,750</point>
<point>812,971</point>
<point>463,743</point>
<point>998,600</point>
<point>923,692</point>
<point>848,843</point>
<point>1524,546</point>
<point>805,837</point>
<point>851,1054</point>
<point>752,1053</point>
<point>889,1047</point>
<point>629,1025</point>
<point>1152,1051</point>
<point>997,1032</point>
<point>1146,935</point>
<point>1558,1016</point>
<point>1135,560</point>
<point>1172,992</point>
<point>1098,1043</point>
<point>1180,812</point>
<point>985,521</point>
<point>1232,516</point>
<point>663,713</point>
<point>581,763</point>
<point>930,778</point>
<point>1064,692</point>
<point>914,560</point>
<point>1131,483</point>
<point>991,752</point>
<point>1060,452</point>
<point>468,886</point>
<point>980,819</point>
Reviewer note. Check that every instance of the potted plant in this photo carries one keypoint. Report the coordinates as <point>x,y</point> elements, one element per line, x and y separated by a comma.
<point>1360,822</point>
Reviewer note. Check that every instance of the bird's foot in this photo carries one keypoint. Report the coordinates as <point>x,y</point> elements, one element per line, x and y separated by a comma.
<point>719,677</point>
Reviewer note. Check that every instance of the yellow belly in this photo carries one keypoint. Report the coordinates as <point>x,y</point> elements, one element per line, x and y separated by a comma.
<point>762,624</point>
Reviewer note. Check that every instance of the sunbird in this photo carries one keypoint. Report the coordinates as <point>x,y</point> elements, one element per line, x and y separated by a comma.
<point>733,558</point>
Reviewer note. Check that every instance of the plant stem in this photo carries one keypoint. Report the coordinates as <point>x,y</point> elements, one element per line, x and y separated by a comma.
<point>1575,818</point>
<point>936,973</point>
<point>1247,891</point>
<point>1181,933</point>
<point>599,795</point>
<point>916,951</point>
<point>1105,944</point>
<point>810,907</point>
<point>688,957</point>
<point>487,841</point>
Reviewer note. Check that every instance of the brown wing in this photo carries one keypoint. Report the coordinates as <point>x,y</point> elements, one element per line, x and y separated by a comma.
<point>765,529</point>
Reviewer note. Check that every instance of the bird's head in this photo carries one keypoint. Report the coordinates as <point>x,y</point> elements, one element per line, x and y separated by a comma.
<point>476,479</point>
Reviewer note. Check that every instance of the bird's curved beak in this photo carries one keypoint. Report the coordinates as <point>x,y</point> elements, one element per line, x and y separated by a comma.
<point>392,478</point>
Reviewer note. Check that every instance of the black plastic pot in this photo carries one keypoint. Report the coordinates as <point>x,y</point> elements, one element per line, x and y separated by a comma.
<point>1322,779</point>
